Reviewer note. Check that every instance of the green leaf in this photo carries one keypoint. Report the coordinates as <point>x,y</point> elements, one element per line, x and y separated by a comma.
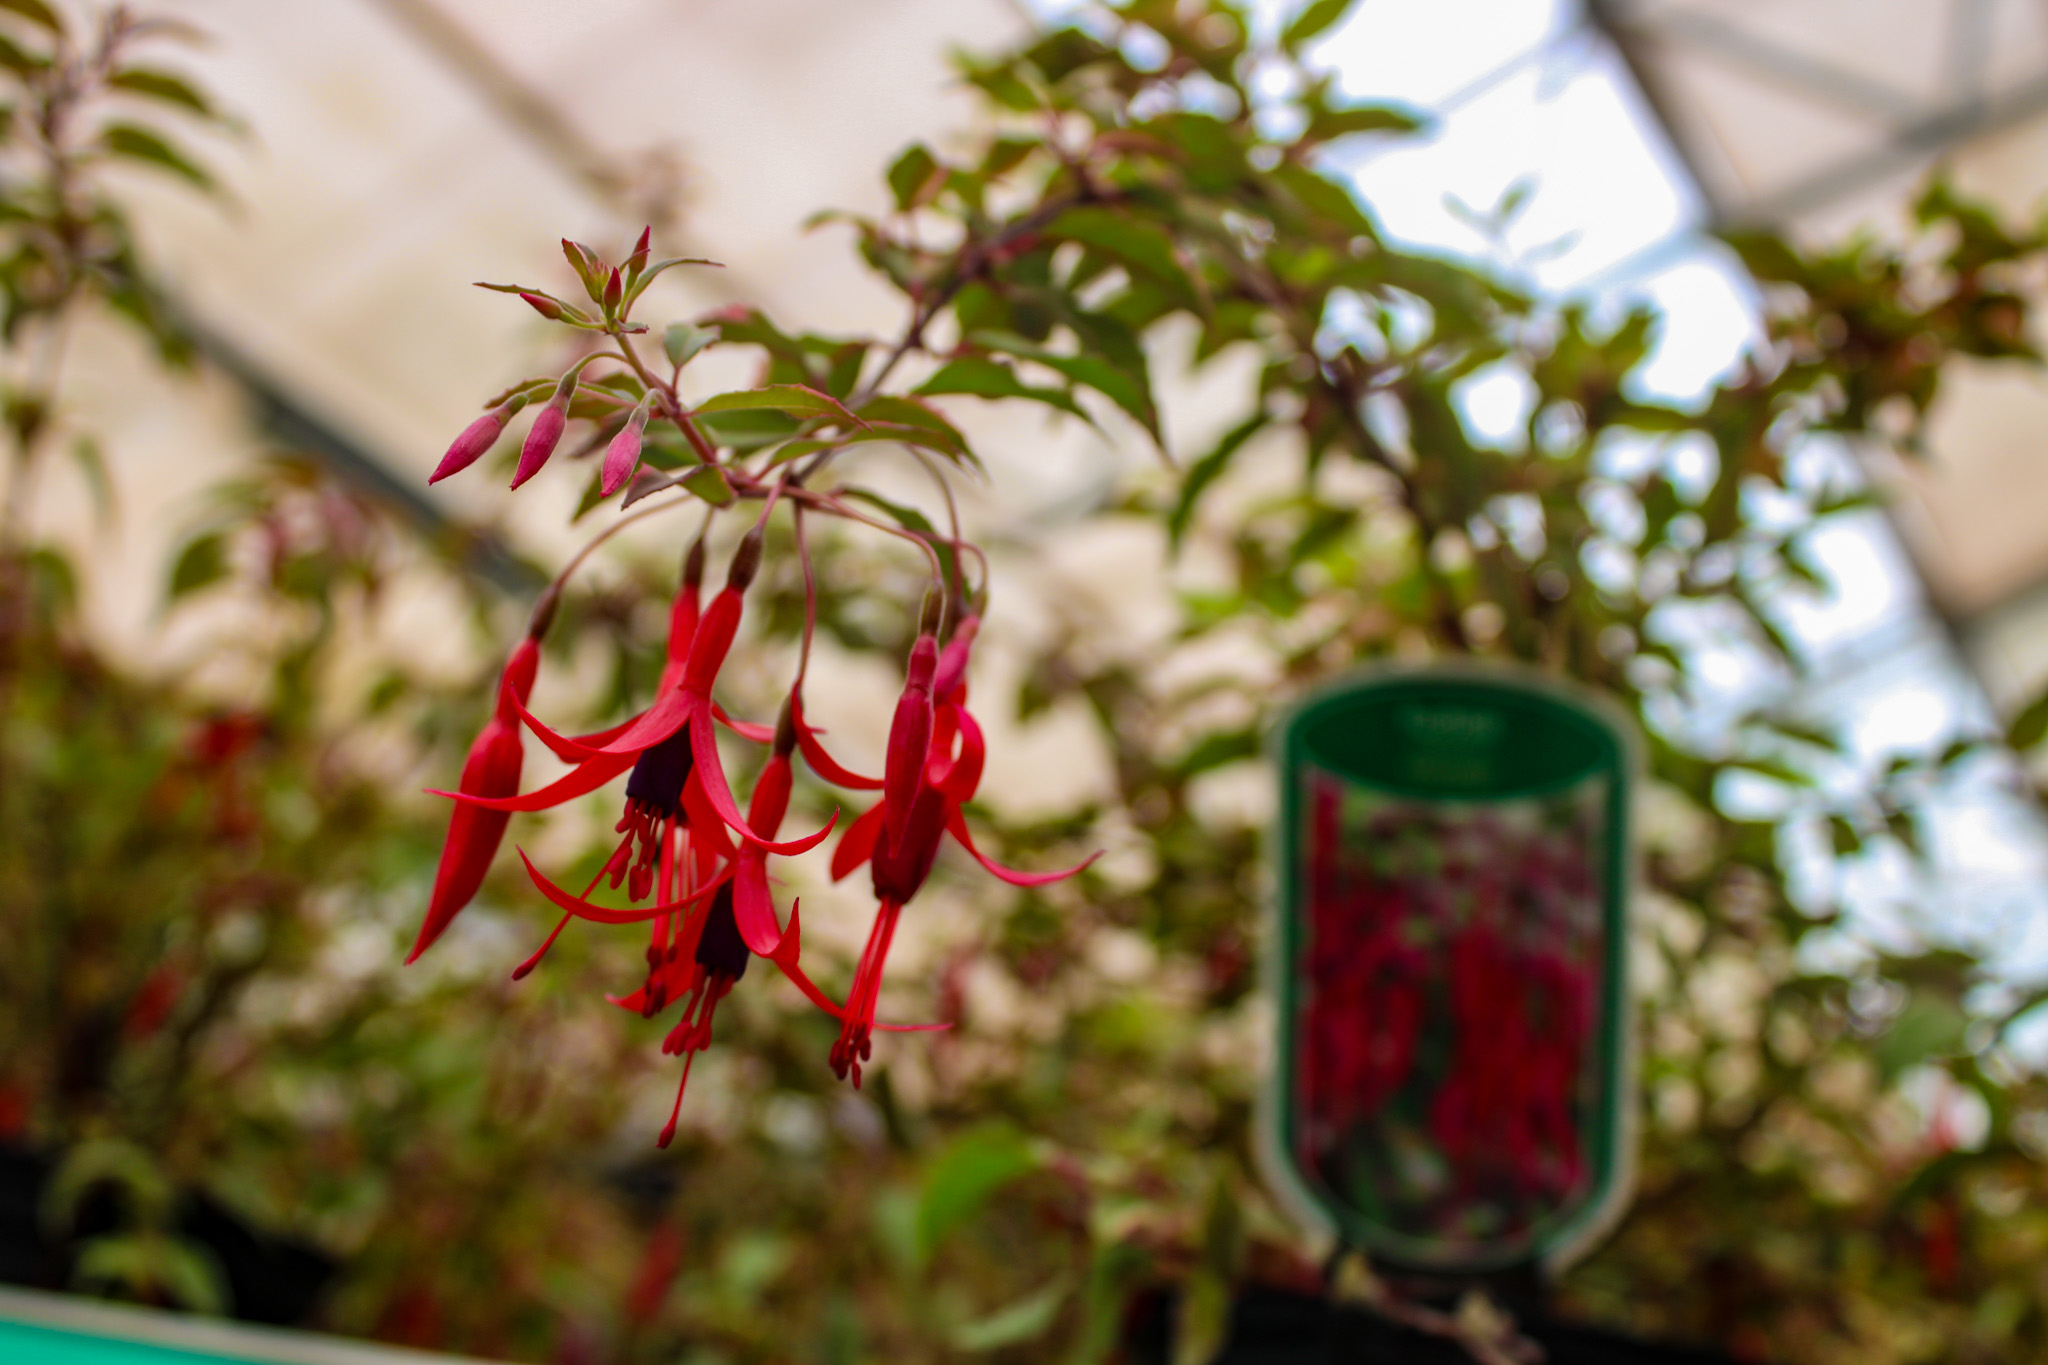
<point>2030,726</point>
<point>152,1265</point>
<point>985,378</point>
<point>680,341</point>
<point>593,494</point>
<point>913,176</point>
<point>1330,124</point>
<point>796,400</point>
<point>163,86</point>
<point>1028,1317</point>
<point>36,12</point>
<point>17,59</point>
<point>1128,240</point>
<point>640,285</point>
<point>1928,1028</point>
<point>708,482</point>
<point>1206,471</point>
<point>909,518</point>
<point>92,463</point>
<point>203,561</point>
<point>917,423</point>
<point>745,431</point>
<point>1128,391</point>
<point>1215,751</point>
<point>1315,18</point>
<point>961,1181</point>
<point>139,144</point>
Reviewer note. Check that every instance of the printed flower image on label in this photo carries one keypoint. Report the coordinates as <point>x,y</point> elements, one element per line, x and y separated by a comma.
<point>1454,1078</point>
<point>1452,961</point>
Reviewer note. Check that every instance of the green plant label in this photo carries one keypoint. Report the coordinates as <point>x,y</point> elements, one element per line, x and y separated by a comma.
<point>1454,1086</point>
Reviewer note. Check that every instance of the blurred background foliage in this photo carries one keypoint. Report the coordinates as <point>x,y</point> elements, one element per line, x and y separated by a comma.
<point>204,906</point>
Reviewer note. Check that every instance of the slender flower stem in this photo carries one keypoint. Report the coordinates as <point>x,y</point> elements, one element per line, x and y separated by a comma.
<point>672,407</point>
<point>803,556</point>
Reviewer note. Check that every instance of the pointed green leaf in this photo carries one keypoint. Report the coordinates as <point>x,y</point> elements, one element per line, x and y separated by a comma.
<point>918,424</point>
<point>961,1181</point>
<point>162,86</point>
<point>2030,726</point>
<point>19,60</point>
<point>1206,471</point>
<point>1331,124</point>
<point>708,482</point>
<point>913,176</point>
<point>203,561</point>
<point>797,400</point>
<point>36,12</point>
<point>909,518</point>
<point>986,378</point>
<point>139,144</point>
<point>680,341</point>
<point>1314,19</point>
<point>1127,390</point>
<point>640,285</point>
<point>1028,1317</point>
<point>1130,241</point>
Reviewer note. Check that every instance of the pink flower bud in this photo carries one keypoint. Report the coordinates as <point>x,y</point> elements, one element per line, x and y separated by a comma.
<point>637,262</point>
<point>622,457</point>
<point>614,291</point>
<point>475,441</point>
<point>541,441</point>
<point>546,432</point>
<point>544,306</point>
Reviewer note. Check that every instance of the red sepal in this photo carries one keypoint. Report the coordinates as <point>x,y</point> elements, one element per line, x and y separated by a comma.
<point>822,763</point>
<point>857,845</point>
<point>710,772</point>
<point>600,914</point>
<point>578,782</point>
<point>956,824</point>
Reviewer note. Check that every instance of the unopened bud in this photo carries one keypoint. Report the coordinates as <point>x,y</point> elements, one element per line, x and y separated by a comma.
<point>476,439</point>
<point>746,561</point>
<point>547,429</point>
<point>785,728</point>
<point>587,266</point>
<point>544,612</point>
<point>637,262</point>
<point>614,293</point>
<point>622,457</point>
<point>693,564</point>
<point>545,306</point>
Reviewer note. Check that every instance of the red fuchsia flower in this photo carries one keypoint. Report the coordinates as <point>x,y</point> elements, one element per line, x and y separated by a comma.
<point>622,457</point>
<point>924,789</point>
<point>477,439</point>
<point>676,777</point>
<point>492,770</point>
<point>712,953</point>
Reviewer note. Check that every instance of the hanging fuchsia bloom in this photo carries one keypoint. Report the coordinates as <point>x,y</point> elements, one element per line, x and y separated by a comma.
<point>899,836</point>
<point>674,764</point>
<point>477,439</point>
<point>492,770</point>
